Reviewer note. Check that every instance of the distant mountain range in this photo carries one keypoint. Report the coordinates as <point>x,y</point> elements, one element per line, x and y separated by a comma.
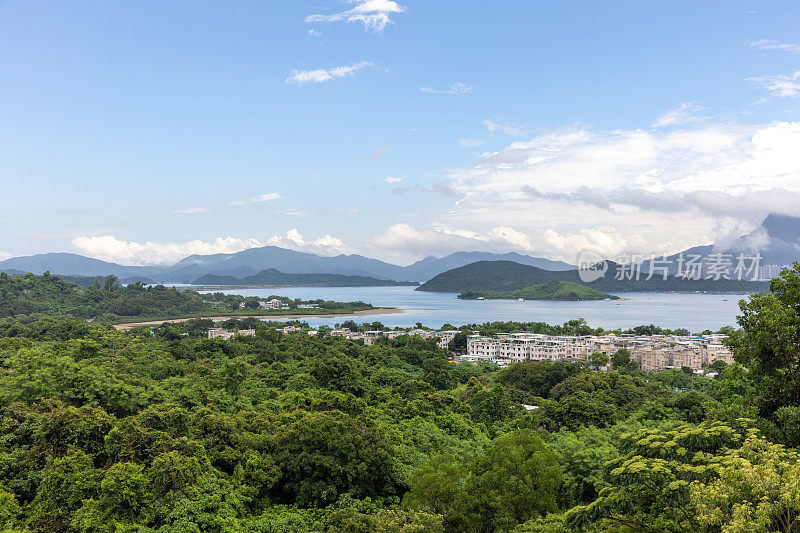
<point>273,277</point>
<point>254,260</point>
<point>777,240</point>
<point>503,276</point>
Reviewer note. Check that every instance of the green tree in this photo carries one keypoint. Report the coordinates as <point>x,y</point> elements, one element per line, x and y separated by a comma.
<point>758,490</point>
<point>322,455</point>
<point>598,360</point>
<point>514,479</point>
<point>768,345</point>
<point>459,343</point>
<point>622,361</point>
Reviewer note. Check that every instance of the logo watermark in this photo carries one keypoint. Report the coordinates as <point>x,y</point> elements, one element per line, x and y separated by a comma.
<point>714,266</point>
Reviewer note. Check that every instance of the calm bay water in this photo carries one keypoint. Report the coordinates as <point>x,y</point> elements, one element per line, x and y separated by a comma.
<point>695,312</point>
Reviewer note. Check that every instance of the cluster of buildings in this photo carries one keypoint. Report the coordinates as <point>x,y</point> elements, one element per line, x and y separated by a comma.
<point>652,352</point>
<point>443,338</point>
<point>268,304</point>
<point>221,333</point>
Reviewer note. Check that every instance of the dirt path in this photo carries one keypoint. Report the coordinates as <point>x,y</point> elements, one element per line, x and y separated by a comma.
<point>377,311</point>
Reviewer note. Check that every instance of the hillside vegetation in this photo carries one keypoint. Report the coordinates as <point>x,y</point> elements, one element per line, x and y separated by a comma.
<point>273,277</point>
<point>28,297</point>
<point>502,276</point>
<point>164,430</point>
<point>550,290</point>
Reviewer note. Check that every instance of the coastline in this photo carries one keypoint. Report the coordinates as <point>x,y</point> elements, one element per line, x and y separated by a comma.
<point>366,312</point>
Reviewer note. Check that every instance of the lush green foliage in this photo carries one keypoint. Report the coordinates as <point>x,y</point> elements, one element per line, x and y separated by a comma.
<point>273,277</point>
<point>166,430</point>
<point>504,276</point>
<point>29,297</point>
<point>550,290</point>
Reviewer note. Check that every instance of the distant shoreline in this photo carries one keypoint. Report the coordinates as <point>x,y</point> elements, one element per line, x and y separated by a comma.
<point>376,311</point>
<point>210,288</point>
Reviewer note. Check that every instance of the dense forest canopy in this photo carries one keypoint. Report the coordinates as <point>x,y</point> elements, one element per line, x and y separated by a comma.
<point>162,429</point>
<point>27,297</point>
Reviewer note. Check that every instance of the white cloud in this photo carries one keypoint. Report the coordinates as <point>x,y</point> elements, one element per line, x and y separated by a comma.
<point>405,242</point>
<point>325,245</point>
<point>266,197</point>
<point>323,75</point>
<point>392,179</point>
<point>605,241</point>
<point>4,256</point>
<point>293,212</point>
<point>470,143</point>
<point>109,248</point>
<point>684,114</point>
<point>661,190</point>
<point>769,44</point>
<point>315,33</point>
<point>508,129</point>
<point>456,88</point>
<point>374,14</point>
<point>190,210</point>
<point>783,86</point>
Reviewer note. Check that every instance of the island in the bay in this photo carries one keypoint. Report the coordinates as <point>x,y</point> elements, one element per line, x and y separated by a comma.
<point>550,290</point>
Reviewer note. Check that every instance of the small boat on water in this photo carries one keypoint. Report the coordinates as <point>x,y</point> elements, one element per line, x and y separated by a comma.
<point>480,298</point>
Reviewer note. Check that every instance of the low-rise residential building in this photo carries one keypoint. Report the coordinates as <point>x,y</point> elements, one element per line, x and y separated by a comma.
<point>654,352</point>
<point>225,334</point>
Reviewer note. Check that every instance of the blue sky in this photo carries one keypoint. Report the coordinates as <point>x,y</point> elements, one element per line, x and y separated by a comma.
<point>140,132</point>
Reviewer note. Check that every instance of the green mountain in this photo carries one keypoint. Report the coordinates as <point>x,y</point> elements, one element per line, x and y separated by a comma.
<point>274,277</point>
<point>503,276</point>
<point>550,290</point>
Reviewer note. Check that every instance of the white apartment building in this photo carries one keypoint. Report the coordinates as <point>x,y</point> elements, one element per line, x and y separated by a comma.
<point>655,352</point>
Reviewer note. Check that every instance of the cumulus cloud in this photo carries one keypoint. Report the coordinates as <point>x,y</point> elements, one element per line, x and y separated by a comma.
<point>109,248</point>
<point>315,33</point>
<point>325,245</point>
<point>374,14</point>
<point>395,179</point>
<point>405,242</point>
<point>684,114</point>
<point>470,143</point>
<point>769,44</point>
<point>456,88</point>
<point>322,75</point>
<point>508,129</point>
<point>190,210</point>
<point>607,242</point>
<point>780,85</point>
<point>663,189</point>
<point>266,197</point>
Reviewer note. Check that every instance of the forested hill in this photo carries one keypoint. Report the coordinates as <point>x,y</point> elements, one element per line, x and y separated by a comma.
<point>273,277</point>
<point>50,295</point>
<point>550,290</point>
<point>29,296</point>
<point>166,430</point>
<point>510,276</point>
